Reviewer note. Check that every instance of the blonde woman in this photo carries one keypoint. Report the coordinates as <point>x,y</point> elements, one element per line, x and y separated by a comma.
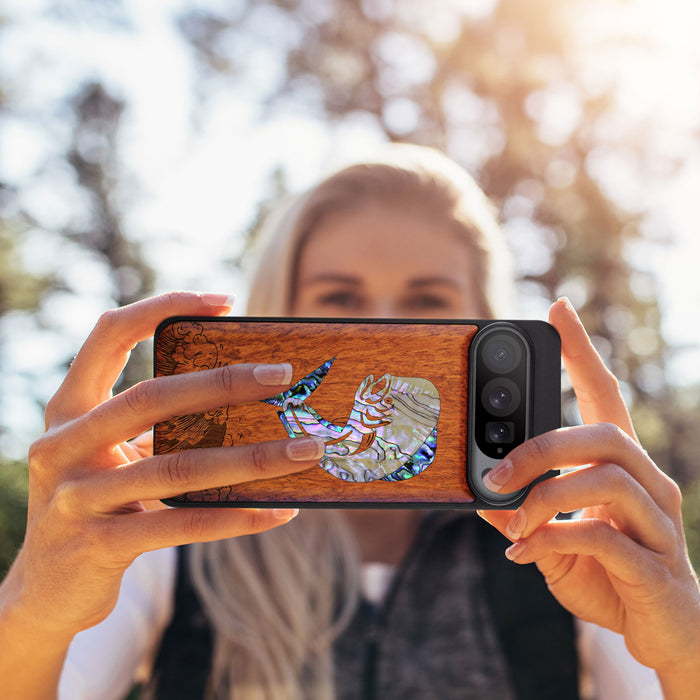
<point>344,604</point>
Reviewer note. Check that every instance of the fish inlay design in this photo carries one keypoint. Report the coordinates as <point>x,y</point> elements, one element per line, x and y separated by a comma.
<point>391,433</point>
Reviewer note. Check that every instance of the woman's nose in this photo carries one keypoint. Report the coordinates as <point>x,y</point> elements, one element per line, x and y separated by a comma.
<point>382,308</point>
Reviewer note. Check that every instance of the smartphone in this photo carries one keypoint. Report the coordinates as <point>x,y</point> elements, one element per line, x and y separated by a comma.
<point>413,413</point>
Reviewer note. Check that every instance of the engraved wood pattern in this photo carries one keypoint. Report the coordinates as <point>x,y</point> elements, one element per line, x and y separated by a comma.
<point>436,352</point>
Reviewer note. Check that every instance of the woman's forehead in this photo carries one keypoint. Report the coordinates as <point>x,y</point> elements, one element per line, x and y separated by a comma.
<point>385,238</point>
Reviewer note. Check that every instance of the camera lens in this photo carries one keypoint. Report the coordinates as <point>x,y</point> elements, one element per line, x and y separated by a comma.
<point>502,353</point>
<point>500,396</point>
<point>499,432</point>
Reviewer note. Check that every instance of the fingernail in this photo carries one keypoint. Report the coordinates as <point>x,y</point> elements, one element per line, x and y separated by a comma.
<point>569,306</point>
<point>273,375</point>
<point>498,476</point>
<point>304,449</point>
<point>218,300</point>
<point>285,514</point>
<point>517,525</point>
<point>515,550</point>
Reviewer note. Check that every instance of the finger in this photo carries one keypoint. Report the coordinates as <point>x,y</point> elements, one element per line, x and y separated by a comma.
<point>156,529</point>
<point>165,476</point>
<point>105,352</point>
<point>143,444</point>
<point>583,444</point>
<point>606,486</point>
<point>149,402</point>
<point>130,452</point>
<point>596,388</point>
<point>614,550</point>
<point>497,518</point>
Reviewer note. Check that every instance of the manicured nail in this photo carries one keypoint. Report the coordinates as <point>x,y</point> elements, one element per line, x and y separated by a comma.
<point>218,300</point>
<point>569,306</point>
<point>273,375</point>
<point>305,449</point>
<point>285,514</point>
<point>517,525</point>
<point>498,476</point>
<point>515,550</point>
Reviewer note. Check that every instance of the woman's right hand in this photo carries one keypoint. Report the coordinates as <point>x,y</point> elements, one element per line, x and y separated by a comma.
<point>88,516</point>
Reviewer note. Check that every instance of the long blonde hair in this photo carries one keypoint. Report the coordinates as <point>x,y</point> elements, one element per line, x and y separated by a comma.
<point>277,600</point>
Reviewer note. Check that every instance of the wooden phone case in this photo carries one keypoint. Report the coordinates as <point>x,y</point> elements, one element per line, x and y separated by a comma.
<point>389,398</point>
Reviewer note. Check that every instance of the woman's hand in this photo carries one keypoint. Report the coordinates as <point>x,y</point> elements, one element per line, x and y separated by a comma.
<point>623,564</point>
<point>88,514</point>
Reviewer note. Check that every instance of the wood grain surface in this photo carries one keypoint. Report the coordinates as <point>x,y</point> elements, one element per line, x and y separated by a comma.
<point>436,352</point>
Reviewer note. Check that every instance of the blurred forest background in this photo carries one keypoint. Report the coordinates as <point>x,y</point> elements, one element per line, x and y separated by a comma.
<point>580,119</point>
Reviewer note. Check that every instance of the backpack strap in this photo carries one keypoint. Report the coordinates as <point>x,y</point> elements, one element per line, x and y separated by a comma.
<point>529,620</point>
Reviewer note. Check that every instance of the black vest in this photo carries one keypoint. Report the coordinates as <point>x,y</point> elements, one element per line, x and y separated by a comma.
<point>412,646</point>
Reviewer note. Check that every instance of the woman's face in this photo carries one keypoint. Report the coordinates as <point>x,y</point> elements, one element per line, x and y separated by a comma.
<point>385,261</point>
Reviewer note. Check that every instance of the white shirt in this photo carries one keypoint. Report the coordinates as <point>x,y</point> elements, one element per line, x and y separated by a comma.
<point>105,661</point>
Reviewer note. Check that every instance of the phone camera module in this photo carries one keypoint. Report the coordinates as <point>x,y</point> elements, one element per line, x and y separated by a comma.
<point>500,397</point>
<point>500,432</point>
<point>502,353</point>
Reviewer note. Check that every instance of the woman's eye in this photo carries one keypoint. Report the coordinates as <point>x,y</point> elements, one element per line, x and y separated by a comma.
<point>341,300</point>
<point>427,302</point>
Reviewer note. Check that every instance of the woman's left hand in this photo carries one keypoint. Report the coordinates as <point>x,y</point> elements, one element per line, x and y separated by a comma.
<point>623,564</point>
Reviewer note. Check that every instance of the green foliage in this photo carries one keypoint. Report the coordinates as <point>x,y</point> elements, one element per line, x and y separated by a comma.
<point>691,521</point>
<point>14,484</point>
<point>18,289</point>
